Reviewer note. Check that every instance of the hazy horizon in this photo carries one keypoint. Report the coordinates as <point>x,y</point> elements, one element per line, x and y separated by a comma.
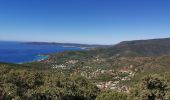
<point>81,43</point>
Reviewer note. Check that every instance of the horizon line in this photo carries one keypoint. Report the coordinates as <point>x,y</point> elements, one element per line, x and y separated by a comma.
<point>79,42</point>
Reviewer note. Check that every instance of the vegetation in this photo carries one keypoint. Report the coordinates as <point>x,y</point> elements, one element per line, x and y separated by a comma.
<point>31,84</point>
<point>135,70</point>
<point>27,84</point>
<point>152,87</point>
<point>112,95</point>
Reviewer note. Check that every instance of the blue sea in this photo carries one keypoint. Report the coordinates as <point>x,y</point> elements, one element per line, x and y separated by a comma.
<point>20,52</point>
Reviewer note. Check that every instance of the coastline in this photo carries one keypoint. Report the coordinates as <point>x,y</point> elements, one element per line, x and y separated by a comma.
<point>38,58</point>
<point>42,57</point>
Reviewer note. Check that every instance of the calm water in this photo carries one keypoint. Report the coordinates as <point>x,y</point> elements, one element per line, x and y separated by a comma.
<point>17,52</point>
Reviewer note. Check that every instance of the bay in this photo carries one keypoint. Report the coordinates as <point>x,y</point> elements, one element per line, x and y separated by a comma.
<point>20,52</point>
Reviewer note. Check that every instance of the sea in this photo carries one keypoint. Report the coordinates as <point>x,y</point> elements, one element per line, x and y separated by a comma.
<point>21,52</point>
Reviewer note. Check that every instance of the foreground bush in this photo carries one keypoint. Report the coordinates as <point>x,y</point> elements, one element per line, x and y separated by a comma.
<point>43,85</point>
<point>152,87</point>
<point>112,95</point>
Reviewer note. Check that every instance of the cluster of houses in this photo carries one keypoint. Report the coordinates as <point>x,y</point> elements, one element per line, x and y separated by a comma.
<point>107,85</point>
<point>59,66</point>
<point>72,62</point>
<point>112,85</point>
<point>118,75</point>
<point>123,74</point>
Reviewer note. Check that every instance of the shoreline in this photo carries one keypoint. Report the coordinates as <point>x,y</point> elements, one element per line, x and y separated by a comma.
<point>43,57</point>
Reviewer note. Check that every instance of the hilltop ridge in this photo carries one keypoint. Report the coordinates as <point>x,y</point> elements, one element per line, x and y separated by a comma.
<point>150,47</point>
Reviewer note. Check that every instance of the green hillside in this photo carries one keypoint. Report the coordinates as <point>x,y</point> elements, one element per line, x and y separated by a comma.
<point>131,70</point>
<point>153,47</point>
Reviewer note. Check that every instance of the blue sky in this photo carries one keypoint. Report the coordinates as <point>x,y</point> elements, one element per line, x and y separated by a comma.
<point>84,21</point>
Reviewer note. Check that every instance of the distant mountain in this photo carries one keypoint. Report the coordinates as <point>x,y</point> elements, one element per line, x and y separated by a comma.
<point>152,47</point>
<point>137,48</point>
<point>85,46</point>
